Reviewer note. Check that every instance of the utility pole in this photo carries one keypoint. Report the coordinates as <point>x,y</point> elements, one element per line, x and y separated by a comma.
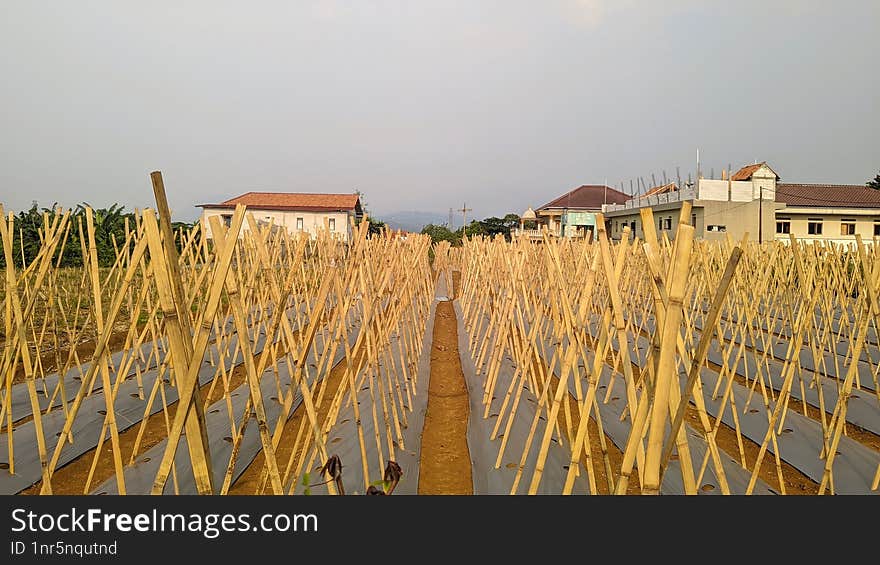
<point>760,213</point>
<point>464,210</point>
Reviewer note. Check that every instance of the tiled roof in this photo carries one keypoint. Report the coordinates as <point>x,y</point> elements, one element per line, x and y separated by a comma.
<point>746,172</point>
<point>828,195</point>
<point>588,196</point>
<point>291,201</point>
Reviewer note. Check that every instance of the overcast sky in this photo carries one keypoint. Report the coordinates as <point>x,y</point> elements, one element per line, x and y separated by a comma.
<point>426,105</point>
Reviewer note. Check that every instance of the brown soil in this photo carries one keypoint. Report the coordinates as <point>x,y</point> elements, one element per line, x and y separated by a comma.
<point>50,362</point>
<point>445,466</point>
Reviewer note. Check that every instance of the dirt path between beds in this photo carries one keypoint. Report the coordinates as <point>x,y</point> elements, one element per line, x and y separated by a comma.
<point>445,466</point>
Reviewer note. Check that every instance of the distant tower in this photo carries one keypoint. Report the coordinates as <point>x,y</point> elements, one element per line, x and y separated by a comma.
<point>449,222</point>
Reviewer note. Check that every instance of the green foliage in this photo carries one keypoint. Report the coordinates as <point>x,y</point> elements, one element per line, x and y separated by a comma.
<point>875,183</point>
<point>489,227</point>
<point>382,483</point>
<point>376,226</point>
<point>109,227</point>
<point>493,226</point>
<point>442,233</point>
<point>305,483</point>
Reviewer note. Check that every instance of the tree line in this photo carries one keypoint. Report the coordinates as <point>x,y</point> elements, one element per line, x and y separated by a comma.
<point>109,226</point>
<point>490,227</point>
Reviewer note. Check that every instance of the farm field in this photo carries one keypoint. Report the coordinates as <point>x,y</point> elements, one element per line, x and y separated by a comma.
<point>391,365</point>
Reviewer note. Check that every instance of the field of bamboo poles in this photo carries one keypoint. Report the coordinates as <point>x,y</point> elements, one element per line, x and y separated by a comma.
<point>673,365</point>
<point>660,366</point>
<point>268,340</point>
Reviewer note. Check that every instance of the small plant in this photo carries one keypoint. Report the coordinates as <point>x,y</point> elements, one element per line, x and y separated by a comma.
<point>389,481</point>
<point>332,469</point>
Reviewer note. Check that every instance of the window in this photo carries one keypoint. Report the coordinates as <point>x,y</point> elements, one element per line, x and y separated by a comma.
<point>615,225</point>
<point>227,219</point>
<point>299,224</point>
<point>847,227</point>
<point>716,228</point>
<point>667,223</point>
<point>783,225</point>
<point>632,226</point>
<point>694,220</point>
<point>660,224</point>
<point>331,223</point>
<point>814,226</point>
<point>876,228</point>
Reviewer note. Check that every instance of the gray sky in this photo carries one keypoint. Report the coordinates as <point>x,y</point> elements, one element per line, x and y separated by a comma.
<point>425,105</point>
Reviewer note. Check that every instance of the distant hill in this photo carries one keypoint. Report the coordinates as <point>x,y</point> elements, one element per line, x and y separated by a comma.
<point>413,221</point>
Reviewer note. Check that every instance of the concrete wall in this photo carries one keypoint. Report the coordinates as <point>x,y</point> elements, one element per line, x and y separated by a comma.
<point>617,223</point>
<point>312,221</point>
<point>764,182</point>
<point>741,191</point>
<point>735,219</point>
<point>663,216</point>
<point>714,189</point>
<point>713,220</point>
<point>765,186</point>
<point>762,185</point>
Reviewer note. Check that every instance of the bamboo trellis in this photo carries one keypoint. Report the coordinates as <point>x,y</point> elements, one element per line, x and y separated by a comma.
<point>680,347</point>
<point>661,365</point>
<point>163,343</point>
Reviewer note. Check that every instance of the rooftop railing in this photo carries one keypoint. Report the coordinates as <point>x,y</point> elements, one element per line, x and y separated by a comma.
<point>653,200</point>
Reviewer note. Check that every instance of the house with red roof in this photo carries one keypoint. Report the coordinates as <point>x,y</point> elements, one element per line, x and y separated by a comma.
<point>571,215</point>
<point>297,212</point>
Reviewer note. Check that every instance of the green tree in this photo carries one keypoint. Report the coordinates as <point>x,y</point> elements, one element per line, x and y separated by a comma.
<point>493,226</point>
<point>875,183</point>
<point>442,233</point>
<point>475,228</point>
<point>376,226</point>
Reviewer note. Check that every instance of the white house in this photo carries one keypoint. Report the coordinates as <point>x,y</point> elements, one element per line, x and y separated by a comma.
<point>295,211</point>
